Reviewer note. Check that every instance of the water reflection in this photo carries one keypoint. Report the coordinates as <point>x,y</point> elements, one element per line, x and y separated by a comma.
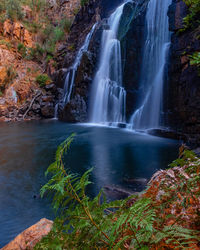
<point>26,150</point>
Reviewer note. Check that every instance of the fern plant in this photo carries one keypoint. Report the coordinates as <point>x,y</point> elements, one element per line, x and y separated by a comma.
<point>85,223</point>
<point>191,21</point>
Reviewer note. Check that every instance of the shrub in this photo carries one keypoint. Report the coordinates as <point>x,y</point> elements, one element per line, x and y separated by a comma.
<point>8,44</point>
<point>2,6</point>
<point>22,49</point>
<point>42,80</point>
<point>84,2</point>
<point>35,53</point>
<point>58,34</point>
<point>13,10</point>
<point>66,24</point>
<point>195,60</point>
<point>192,21</point>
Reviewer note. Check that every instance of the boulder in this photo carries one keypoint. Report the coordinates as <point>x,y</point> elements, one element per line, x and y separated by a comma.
<point>75,110</point>
<point>31,236</point>
<point>117,193</point>
<point>166,133</point>
<point>48,111</point>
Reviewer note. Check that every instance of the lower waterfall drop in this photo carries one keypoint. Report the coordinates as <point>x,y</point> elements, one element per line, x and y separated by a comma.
<point>108,96</point>
<point>156,48</point>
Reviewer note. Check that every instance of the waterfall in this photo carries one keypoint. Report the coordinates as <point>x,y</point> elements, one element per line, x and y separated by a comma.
<point>108,95</point>
<point>70,77</point>
<point>156,48</point>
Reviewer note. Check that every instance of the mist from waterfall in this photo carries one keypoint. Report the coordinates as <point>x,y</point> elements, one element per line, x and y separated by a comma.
<point>156,48</point>
<point>108,99</point>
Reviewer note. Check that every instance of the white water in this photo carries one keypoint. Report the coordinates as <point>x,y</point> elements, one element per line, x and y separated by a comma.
<point>108,96</point>
<point>148,115</point>
<point>70,77</point>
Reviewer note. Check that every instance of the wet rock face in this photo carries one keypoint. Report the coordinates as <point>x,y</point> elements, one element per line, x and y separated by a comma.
<point>132,41</point>
<point>82,24</point>
<point>183,89</point>
<point>77,109</point>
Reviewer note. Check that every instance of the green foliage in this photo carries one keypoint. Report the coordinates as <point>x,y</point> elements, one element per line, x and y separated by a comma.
<point>13,10</point>
<point>22,49</point>
<point>42,79</point>
<point>192,21</point>
<point>36,53</point>
<point>195,60</point>
<point>2,6</point>
<point>58,34</point>
<point>185,159</point>
<point>84,2</point>
<point>85,223</point>
<point>66,24</point>
<point>8,44</point>
<point>38,5</point>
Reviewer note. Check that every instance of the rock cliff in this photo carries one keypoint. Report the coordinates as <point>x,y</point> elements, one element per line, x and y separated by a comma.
<point>183,91</point>
<point>27,48</point>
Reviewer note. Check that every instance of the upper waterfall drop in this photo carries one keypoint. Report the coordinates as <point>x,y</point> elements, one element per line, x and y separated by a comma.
<point>108,96</point>
<point>156,48</point>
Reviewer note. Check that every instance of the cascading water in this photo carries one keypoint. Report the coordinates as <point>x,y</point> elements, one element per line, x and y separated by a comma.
<point>154,61</point>
<point>108,96</point>
<point>70,77</point>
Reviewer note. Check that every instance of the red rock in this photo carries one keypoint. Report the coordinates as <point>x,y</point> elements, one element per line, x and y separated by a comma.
<point>31,236</point>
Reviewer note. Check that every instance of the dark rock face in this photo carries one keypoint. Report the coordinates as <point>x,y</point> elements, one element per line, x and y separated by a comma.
<point>183,102</point>
<point>82,24</point>
<point>132,41</point>
<point>48,110</point>
<point>75,111</point>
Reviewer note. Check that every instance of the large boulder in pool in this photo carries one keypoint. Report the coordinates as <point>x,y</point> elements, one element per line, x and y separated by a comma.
<point>31,236</point>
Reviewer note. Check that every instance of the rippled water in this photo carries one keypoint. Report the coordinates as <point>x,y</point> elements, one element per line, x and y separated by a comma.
<point>26,150</point>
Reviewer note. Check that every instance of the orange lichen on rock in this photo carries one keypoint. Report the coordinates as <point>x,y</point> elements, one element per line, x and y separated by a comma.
<point>31,236</point>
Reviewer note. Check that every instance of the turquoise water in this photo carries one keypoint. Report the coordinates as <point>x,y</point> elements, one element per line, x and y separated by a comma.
<point>26,150</point>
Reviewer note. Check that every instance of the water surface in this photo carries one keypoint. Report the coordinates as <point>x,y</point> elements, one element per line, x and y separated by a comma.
<point>26,150</point>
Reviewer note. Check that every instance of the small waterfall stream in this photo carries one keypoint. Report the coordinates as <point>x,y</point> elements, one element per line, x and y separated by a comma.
<point>108,96</point>
<point>70,77</point>
<point>157,43</point>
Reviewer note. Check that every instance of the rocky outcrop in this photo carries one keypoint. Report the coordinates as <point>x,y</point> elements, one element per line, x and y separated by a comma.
<point>17,31</point>
<point>31,236</point>
<point>183,105</point>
